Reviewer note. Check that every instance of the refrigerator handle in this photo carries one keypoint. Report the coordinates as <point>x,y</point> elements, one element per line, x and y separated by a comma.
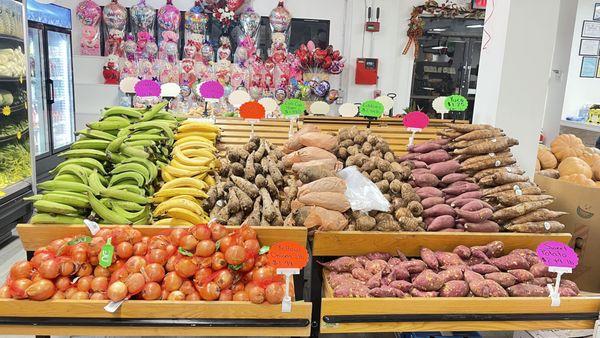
<point>50,90</point>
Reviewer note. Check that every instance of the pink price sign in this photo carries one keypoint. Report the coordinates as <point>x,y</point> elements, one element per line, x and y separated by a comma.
<point>212,90</point>
<point>557,254</point>
<point>416,119</point>
<point>147,88</point>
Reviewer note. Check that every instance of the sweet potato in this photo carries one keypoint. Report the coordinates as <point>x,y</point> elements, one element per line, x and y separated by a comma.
<point>538,216</point>
<point>385,291</point>
<point>420,171</point>
<point>510,262</point>
<point>494,249</point>
<point>354,291</point>
<point>477,202</point>
<point>471,194</point>
<point>336,279</point>
<point>418,164</point>
<point>342,264</point>
<point>447,259</point>
<point>527,290</point>
<point>484,268</point>
<point>407,157</point>
<point>441,222</point>
<point>442,169</point>
<point>536,227</point>
<point>542,281</point>
<point>460,187</point>
<point>428,281</point>
<point>439,210</point>
<point>487,288</point>
<point>473,205</point>
<point>521,275</point>
<point>361,274</point>
<point>471,276</point>
<point>519,210</point>
<point>452,273</point>
<point>426,147</point>
<point>375,281</point>
<point>402,285</point>
<point>425,180</point>
<point>462,251</point>
<point>478,216</point>
<point>434,156</point>
<point>318,139</point>
<point>455,288</point>
<point>307,154</point>
<point>481,253</point>
<point>326,184</point>
<point>431,201</point>
<point>425,294</point>
<point>397,273</point>
<point>457,229</point>
<point>541,270</point>
<point>429,258</point>
<point>565,283</point>
<point>414,266</point>
<point>376,266</point>
<point>426,192</point>
<point>566,292</point>
<point>454,177</point>
<point>505,279</point>
<point>378,255</point>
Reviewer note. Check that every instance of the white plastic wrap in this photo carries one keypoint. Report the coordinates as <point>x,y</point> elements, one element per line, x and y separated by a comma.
<point>362,193</point>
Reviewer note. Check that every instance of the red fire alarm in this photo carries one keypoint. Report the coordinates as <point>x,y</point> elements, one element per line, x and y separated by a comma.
<point>372,26</point>
<point>366,71</point>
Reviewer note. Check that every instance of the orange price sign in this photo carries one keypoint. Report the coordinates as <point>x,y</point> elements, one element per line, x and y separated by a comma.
<point>287,255</point>
<point>252,110</point>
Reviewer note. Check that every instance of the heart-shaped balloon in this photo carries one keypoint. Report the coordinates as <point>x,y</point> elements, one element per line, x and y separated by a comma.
<point>310,45</point>
<point>143,16</point>
<point>327,62</point>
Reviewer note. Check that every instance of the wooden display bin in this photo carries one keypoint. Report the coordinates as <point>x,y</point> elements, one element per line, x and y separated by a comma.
<point>354,315</point>
<point>151,318</point>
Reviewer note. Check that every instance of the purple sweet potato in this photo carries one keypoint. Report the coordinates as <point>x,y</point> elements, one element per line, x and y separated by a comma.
<point>541,270</point>
<point>462,251</point>
<point>481,254</point>
<point>398,273</point>
<point>401,256</point>
<point>426,192</point>
<point>460,187</point>
<point>510,262</point>
<point>484,268</point>
<point>434,156</point>
<point>419,164</point>
<point>407,157</point>
<point>494,249</point>
<point>541,281</point>
<point>523,252</point>
<point>505,279</point>
<point>485,226</point>
<point>385,291</point>
<point>431,201</point>
<point>448,259</point>
<point>426,147</point>
<point>521,275</point>
<point>442,169</point>
<point>425,294</point>
<point>475,216</point>
<point>420,171</point>
<point>471,276</point>
<point>361,274</point>
<point>487,288</point>
<point>527,290</point>
<point>394,260</point>
<point>569,284</point>
<point>464,201</point>
<point>354,291</point>
<point>425,180</point>
<point>566,292</point>
<point>452,273</point>
<point>471,194</point>
<point>455,177</point>
<point>337,279</point>
<point>441,223</point>
<point>473,205</point>
<point>402,285</point>
<point>414,266</point>
<point>376,266</point>
<point>378,255</point>
<point>455,288</point>
<point>428,221</point>
<point>429,258</point>
<point>375,281</point>
<point>362,260</point>
<point>438,210</point>
<point>342,264</point>
<point>428,281</point>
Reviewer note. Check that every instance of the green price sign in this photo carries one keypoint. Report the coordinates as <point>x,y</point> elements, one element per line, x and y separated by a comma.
<point>371,108</point>
<point>106,254</point>
<point>456,103</point>
<point>292,107</point>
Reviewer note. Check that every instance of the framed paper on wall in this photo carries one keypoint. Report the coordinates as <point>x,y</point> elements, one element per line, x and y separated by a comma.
<point>591,29</point>
<point>589,65</point>
<point>597,12</point>
<point>588,47</point>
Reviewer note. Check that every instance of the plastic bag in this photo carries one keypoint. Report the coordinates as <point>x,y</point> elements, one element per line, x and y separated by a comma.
<point>362,193</point>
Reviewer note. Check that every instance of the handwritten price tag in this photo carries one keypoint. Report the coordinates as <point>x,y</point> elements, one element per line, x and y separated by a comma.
<point>416,120</point>
<point>557,254</point>
<point>287,255</point>
<point>252,111</point>
<point>212,90</point>
<point>456,103</point>
<point>292,108</point>
<point>371,108</point>
<point>146,88</point>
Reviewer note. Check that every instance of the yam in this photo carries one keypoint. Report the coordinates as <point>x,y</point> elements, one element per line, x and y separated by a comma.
<point>386,222</point>
<point>408,193</point>
<point>519,210</point>
<point>487,172</point>
<point>365,223</point>
<point>480,134</point>
<point>527,290</point>
<point>497,179</point>
<point>416,209</point>
<point>515,199</point>
<point>485,226</point>
<point>455,288</point>
<point>469,159</point>
<point>508,186</point>
<point>487,288</point>
<point>453,177</point>
<point>441,222</point>
<point>396,186</point>
<point>493,146</point>
<point>384,186</point>
<point>489,162</point>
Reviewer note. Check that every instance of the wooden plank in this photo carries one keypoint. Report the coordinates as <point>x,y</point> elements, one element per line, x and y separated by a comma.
<point>351,243</point>
<point>35,236</point>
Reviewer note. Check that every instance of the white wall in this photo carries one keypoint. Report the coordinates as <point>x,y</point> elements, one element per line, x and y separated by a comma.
<point>580,91</point>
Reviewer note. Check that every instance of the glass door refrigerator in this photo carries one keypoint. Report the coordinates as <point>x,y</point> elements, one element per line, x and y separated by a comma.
<point>16,179</point>
<point>51,73</point>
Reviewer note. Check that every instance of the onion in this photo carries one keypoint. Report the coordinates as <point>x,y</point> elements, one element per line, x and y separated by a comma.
<point>241,296</point>
<point>188,242</point>
<point>226,296</point>
<point>85,283</point>
<point>170,266</point>
<point>116,265</point>
<point>135,236</point>
<point>56,246</point>
<point>120,235</point>
<point>218,261</point>
<point>224,279</point>
<point>247,265</point>
<point>135,264</point>
<point>104,233</point>
<point>252,247</point>
<point>187,287</point>
<point>172,281</point>
<point>235,255</point>
<point>256,294</point>
<point>41,290</point>
<point>49,269</point>
<point>59,295</point>
<point>261,261</point>
<point>202,274</point>
<point>41,257</point>
<point>94,260</point>
<point>145,239</point>
<point>164,294</point>
<point>247,277</point>
<point>186,267</point>
<point>176,235</point>
<point>117,291</point>
<point>205,248</point>
<point>210,291</point>
<point>85,269</point>
<point>159,242</point>
<point>140,249</point>
<point>158,256</point>
<point>176,295</point>
<point>274,293</point>
<point>217,232</point>
<point>204,262</point>
<point>124,250</point>
<point>5,292</point>
<point>151,291</point>
<point>119,275</point>
<point>67,268</point>
<point>101,272</point>
<point>22,269</point>
<point>70,292</point>
<point>238,286</point>
<point>79,253</point>
<point>63,283</point>
<point>227,242</point>
<point>201,232</point>
<point>194,296</point>
<point>264,275</point>
<point>153,272</point>
<point>247,233</point>
<point>99,284</point>
<point>95,246</point>
<point>80,295</point>
<point>135,283</point>
<point>98,296</point>
<point>171,250</point>
<point>35,276</point>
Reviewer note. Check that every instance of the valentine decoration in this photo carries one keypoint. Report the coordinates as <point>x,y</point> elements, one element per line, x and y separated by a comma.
<point>111,70</point>
<point>142,18</point>
<point>115,20</point>
<point>250,22</point>
<point>89,14</point>
<point>196,20</point>
<point>168,20</point>
<point>280,18</point>
<point>225,16</point>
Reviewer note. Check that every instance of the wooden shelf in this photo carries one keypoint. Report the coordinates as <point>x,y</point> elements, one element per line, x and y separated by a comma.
<point>351,243</point>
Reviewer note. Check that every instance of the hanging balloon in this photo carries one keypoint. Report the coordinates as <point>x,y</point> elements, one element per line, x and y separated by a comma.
<point>196,20</point>
<point>142,16</point>
<point>280,94</point>
<point>207,52</point>
<point>115,16</point>
<point>234,4</point>
<point>88,13</point>
<point>332,96</point>
<point>255,93</point>
<point>322,88</point>
<point>168,17</point>
<point>280,18</point>
<point>250,22</point>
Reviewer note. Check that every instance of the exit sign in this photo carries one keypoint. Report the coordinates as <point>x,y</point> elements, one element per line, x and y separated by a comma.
<point>479,4</point>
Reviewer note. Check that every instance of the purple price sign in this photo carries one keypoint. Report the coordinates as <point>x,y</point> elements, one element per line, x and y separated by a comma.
<point>147,88</point>
<point>557,254</point>
<point>212,90</point>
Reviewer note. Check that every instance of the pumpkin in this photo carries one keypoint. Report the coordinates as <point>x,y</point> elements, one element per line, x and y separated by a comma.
<point>538,166</point>
<point>578,179</point>
<point>574,165</point>
<point>546,158</point>
<point>567,145</point>
<point>592,150</point>
<point>589,157</point>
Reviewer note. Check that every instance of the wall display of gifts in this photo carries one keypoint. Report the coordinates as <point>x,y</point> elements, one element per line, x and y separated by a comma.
<point>187,56</point>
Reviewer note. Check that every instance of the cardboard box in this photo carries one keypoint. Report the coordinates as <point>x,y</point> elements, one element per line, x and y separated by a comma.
<point>583,222</point>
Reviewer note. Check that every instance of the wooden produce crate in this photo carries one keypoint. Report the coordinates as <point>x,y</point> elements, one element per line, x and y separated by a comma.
<point>151,318</point>
<point>236,131</point>
<point>353,315</point>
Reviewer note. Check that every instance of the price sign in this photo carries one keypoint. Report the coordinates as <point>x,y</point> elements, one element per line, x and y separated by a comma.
<point>252,111</point>
<point>147,88</point>
<point>106,254</point>
<point>371,108</point>
<point>416,120</point>
<point>211,90</point>
<point>456,103</point>
<point>170,89</point>
<point>127,85</point>
<point>557,254</point>
<point>292,108</point>
<point>288,258</point>
<point>238,97</point>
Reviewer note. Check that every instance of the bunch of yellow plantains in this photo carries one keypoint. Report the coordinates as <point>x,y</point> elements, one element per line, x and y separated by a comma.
<point>188,176</point>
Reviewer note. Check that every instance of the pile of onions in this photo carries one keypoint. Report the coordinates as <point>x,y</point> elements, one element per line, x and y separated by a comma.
<point>204,262</point>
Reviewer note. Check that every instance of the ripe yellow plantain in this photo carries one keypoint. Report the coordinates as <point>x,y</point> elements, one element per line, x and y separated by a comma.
<point>185,215</point>
<point>165,206</point>
<point>185,182</point>
<point>180,191</point>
